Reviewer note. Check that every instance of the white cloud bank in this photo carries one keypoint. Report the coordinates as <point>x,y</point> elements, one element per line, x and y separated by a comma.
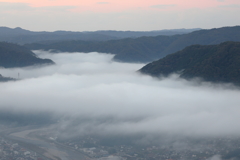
<point>102,96</point>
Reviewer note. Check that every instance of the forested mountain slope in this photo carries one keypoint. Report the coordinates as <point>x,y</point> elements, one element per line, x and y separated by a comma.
<point>12,55</point>
<point>146,49</point>
<point>216,63</point>
<point>143,49</point>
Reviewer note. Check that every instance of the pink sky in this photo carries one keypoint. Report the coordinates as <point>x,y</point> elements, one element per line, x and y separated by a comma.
<point>118,5</point>
<point>118,14</point>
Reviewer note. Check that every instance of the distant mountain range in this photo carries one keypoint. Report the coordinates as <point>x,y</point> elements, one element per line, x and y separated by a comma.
<point>12,55</point>
<point>22,36</point>
<point>203,56</point>
<point>215,63</point>
<point>145,49</point>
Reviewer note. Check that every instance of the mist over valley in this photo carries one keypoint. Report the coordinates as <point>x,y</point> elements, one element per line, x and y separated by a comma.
<point>92,95</point>
<point>119,80</point>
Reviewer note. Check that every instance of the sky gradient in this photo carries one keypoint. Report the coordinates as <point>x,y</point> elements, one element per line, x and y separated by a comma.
<point>140,15</point>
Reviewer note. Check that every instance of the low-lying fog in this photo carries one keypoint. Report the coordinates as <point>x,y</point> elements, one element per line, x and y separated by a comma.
<point>90,93</point>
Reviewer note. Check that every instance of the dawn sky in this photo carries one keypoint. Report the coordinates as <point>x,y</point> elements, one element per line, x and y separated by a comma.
<point>140,15</point>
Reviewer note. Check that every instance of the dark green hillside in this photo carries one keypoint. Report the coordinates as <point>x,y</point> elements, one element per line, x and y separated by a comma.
<point>143,49</point>
<point>205,37</point>
<point>12,55</point>
<point>146,49</point>
<point>216,63</point>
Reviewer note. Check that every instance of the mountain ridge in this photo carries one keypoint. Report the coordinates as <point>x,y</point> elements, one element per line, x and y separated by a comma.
<point>145,49</point>
<point>22,36</point>
<point>215,63</point>
<point>13,55</point>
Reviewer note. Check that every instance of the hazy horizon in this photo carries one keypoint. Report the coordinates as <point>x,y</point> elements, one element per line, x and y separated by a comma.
<point>113,29</point>
<point>123,15</point>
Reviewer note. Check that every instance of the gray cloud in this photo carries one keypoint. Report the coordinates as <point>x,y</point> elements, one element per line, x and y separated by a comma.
<point>56,8</point>
<point>6,6</point>
<point>230,6</point>
<point>25,7</point>
<point>163,6</point>
<point>103,3</point>
<point>93,95</point>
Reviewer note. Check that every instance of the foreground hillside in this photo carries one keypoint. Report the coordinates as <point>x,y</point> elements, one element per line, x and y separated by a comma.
<point>146,49</point>
<point>12,55</point>
<point>216,63</point>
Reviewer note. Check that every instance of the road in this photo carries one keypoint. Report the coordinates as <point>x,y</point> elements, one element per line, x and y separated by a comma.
<point>48,150</point>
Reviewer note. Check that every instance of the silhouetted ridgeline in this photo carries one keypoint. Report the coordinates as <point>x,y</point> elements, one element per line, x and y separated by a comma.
<point>205,37</point>
<point>12,55</point>
<point>143,49</point>
<point>22,36</point>
<point>146,49</point>
<point>216,63</point>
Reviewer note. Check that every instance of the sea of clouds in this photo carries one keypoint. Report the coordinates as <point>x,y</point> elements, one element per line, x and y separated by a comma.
<point>91,93</point>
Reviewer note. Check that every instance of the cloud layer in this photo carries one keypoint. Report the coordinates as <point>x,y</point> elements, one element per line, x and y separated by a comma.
<point>92,94</point>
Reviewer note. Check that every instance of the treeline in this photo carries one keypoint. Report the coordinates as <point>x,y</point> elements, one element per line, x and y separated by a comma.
<point>215,63</point>
<point>145,49</point>
<point>12,55</point>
